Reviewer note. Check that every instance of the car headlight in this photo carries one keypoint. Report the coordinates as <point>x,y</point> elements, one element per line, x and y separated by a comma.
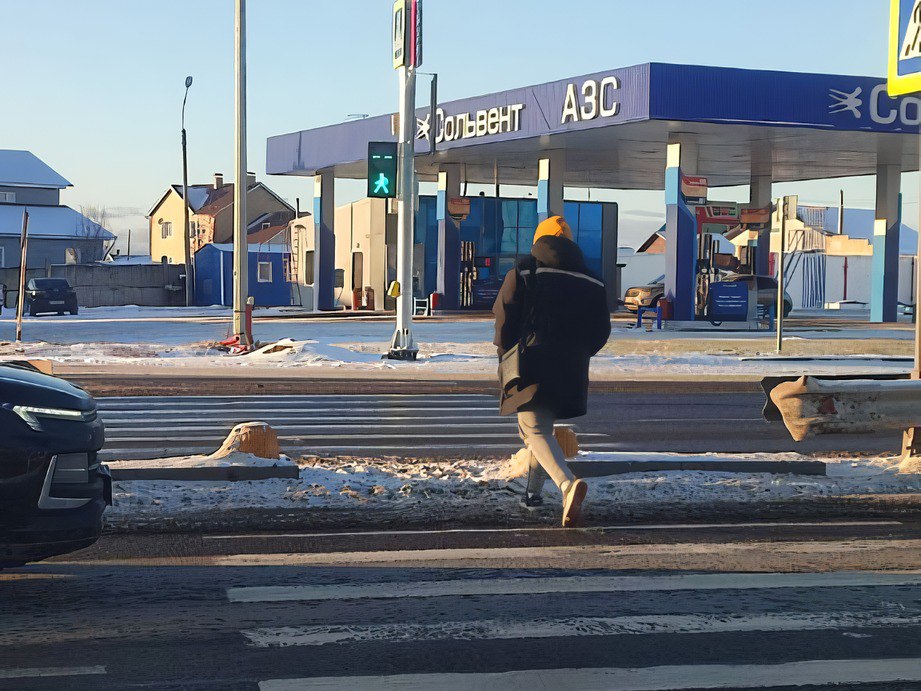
<point>31,414</point>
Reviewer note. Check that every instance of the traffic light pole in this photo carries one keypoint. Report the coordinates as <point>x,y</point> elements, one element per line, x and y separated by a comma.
<point>402,345</point>
<point>240,243</point>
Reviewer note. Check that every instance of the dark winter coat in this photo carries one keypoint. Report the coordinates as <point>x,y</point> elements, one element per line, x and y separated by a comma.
<point>572,323</point>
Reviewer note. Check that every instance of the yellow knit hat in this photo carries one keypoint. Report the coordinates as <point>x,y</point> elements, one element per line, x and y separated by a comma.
<point>555,226</point>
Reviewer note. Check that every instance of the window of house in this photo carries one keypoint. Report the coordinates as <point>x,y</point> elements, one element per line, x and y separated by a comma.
<point>266,224</point>
<point>9,197</point>
<point>308,267</point>
<point>2,257</point>
<point>264,272</point>
<point>166,230</point>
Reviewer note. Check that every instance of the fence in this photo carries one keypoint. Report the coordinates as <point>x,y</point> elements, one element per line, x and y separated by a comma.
<point>110,284</point>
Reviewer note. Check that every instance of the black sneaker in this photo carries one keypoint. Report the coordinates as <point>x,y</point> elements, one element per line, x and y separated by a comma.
<point>531,501</point>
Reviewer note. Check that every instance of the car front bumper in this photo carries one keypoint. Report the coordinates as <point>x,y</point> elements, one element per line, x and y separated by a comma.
<point>634,302</point>
<point>49,532</point>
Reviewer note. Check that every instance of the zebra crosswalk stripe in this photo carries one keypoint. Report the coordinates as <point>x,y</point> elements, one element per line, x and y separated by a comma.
<point>574,627</point>
<point>390,424</point>
<point>570,584</point>
<point>810,672</point>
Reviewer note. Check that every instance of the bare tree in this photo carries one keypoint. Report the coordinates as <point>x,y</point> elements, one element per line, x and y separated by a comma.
<point>92,222</point>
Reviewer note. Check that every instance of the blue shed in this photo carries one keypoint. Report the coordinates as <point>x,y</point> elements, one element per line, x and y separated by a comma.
<point>214,276</point>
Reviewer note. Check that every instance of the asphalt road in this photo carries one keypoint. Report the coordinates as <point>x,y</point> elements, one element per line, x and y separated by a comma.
<point>626,607</point>
<point>446,425</point>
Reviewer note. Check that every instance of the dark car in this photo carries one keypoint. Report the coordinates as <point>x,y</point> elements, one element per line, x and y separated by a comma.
<point>50,295</point>
<point>53,490</point>
<point>767,290</point>
<point>645,296</point>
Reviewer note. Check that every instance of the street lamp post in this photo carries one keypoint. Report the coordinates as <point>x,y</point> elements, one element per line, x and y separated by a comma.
<point>189,275</point>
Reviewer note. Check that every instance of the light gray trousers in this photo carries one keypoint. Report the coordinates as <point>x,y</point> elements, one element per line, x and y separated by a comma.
<point>547,459</point>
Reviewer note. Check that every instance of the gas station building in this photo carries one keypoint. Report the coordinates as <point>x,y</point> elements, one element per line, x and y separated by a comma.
<point>679,128</point>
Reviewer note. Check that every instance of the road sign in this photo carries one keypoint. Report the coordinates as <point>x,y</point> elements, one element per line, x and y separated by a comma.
<point>904,47</point>
<point>399,27</point>
<point>382,169</point>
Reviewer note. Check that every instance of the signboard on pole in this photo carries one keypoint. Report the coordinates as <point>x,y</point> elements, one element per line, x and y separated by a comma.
<point>904,47</point>
<point>398,29</point>
<point>407,33</point>
<point>459,208</point>
<point>751,215</point>
<point>694,189</point>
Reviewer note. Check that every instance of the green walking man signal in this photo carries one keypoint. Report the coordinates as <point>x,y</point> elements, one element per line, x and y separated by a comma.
<point>382,169</point>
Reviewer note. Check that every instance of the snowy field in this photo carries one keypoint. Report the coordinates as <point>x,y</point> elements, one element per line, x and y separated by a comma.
<point>185,337</point>
<point>472,490</point>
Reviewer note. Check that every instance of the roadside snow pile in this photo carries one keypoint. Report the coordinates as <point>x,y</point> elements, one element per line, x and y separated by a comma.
<point>404,493</point>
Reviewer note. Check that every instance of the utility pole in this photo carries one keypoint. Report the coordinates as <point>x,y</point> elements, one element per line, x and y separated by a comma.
<point>779,303</point>
<point>841,213</point>
<point>240,244</point>
<point>189,275</point>
<point>407,34</point>
<point>23,251</point>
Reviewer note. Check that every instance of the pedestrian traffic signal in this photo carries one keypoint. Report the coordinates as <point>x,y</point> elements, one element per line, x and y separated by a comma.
<point>382,169</point>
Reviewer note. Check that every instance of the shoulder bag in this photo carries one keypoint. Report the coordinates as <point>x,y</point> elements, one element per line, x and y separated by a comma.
<point>513,363</point>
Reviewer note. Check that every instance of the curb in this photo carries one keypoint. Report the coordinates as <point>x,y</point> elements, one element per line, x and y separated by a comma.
<point>105,385</point>
<point>891,506</point>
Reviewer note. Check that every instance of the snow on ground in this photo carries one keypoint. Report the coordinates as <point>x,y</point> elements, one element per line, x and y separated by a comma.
<point>478,488</point>
<point>184,337</point>
<point>437,358</point>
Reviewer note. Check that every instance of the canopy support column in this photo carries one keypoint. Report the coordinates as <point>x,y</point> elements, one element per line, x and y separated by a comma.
<point>550,172</point>
<point>324,241</point>
<point>884,293</point>
<point>449,244</point>
<point>680,240</point>
<point>760,197</point>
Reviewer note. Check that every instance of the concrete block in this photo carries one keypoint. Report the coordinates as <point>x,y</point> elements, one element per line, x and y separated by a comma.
<point>620,467</point>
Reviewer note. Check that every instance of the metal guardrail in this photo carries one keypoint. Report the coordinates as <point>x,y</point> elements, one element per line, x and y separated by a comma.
<point>810,406</point>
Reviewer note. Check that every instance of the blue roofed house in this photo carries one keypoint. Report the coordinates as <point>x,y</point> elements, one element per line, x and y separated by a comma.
<point>57,233</point>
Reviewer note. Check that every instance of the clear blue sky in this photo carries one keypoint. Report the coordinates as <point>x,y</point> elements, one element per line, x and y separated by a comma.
<point>94,87</point>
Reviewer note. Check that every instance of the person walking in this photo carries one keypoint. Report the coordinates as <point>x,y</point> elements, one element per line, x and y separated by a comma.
<point>551,318</point>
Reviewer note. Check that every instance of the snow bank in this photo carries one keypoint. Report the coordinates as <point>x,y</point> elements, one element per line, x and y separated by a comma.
<point>480,492</point>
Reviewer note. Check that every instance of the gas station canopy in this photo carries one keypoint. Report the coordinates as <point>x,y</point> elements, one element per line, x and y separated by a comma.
<point>614,127</point>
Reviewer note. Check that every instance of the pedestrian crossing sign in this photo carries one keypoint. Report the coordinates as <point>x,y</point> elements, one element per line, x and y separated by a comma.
<point>904,47</point>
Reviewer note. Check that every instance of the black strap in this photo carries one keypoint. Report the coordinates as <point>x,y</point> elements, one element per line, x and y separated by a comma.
<point>530,302</point>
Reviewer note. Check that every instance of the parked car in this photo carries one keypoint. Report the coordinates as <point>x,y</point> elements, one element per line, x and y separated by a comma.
<point>648,295</point>
<point>645,296</point>
<point>53,490</point>
<point>50,295</point>
<point>767,290</point>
